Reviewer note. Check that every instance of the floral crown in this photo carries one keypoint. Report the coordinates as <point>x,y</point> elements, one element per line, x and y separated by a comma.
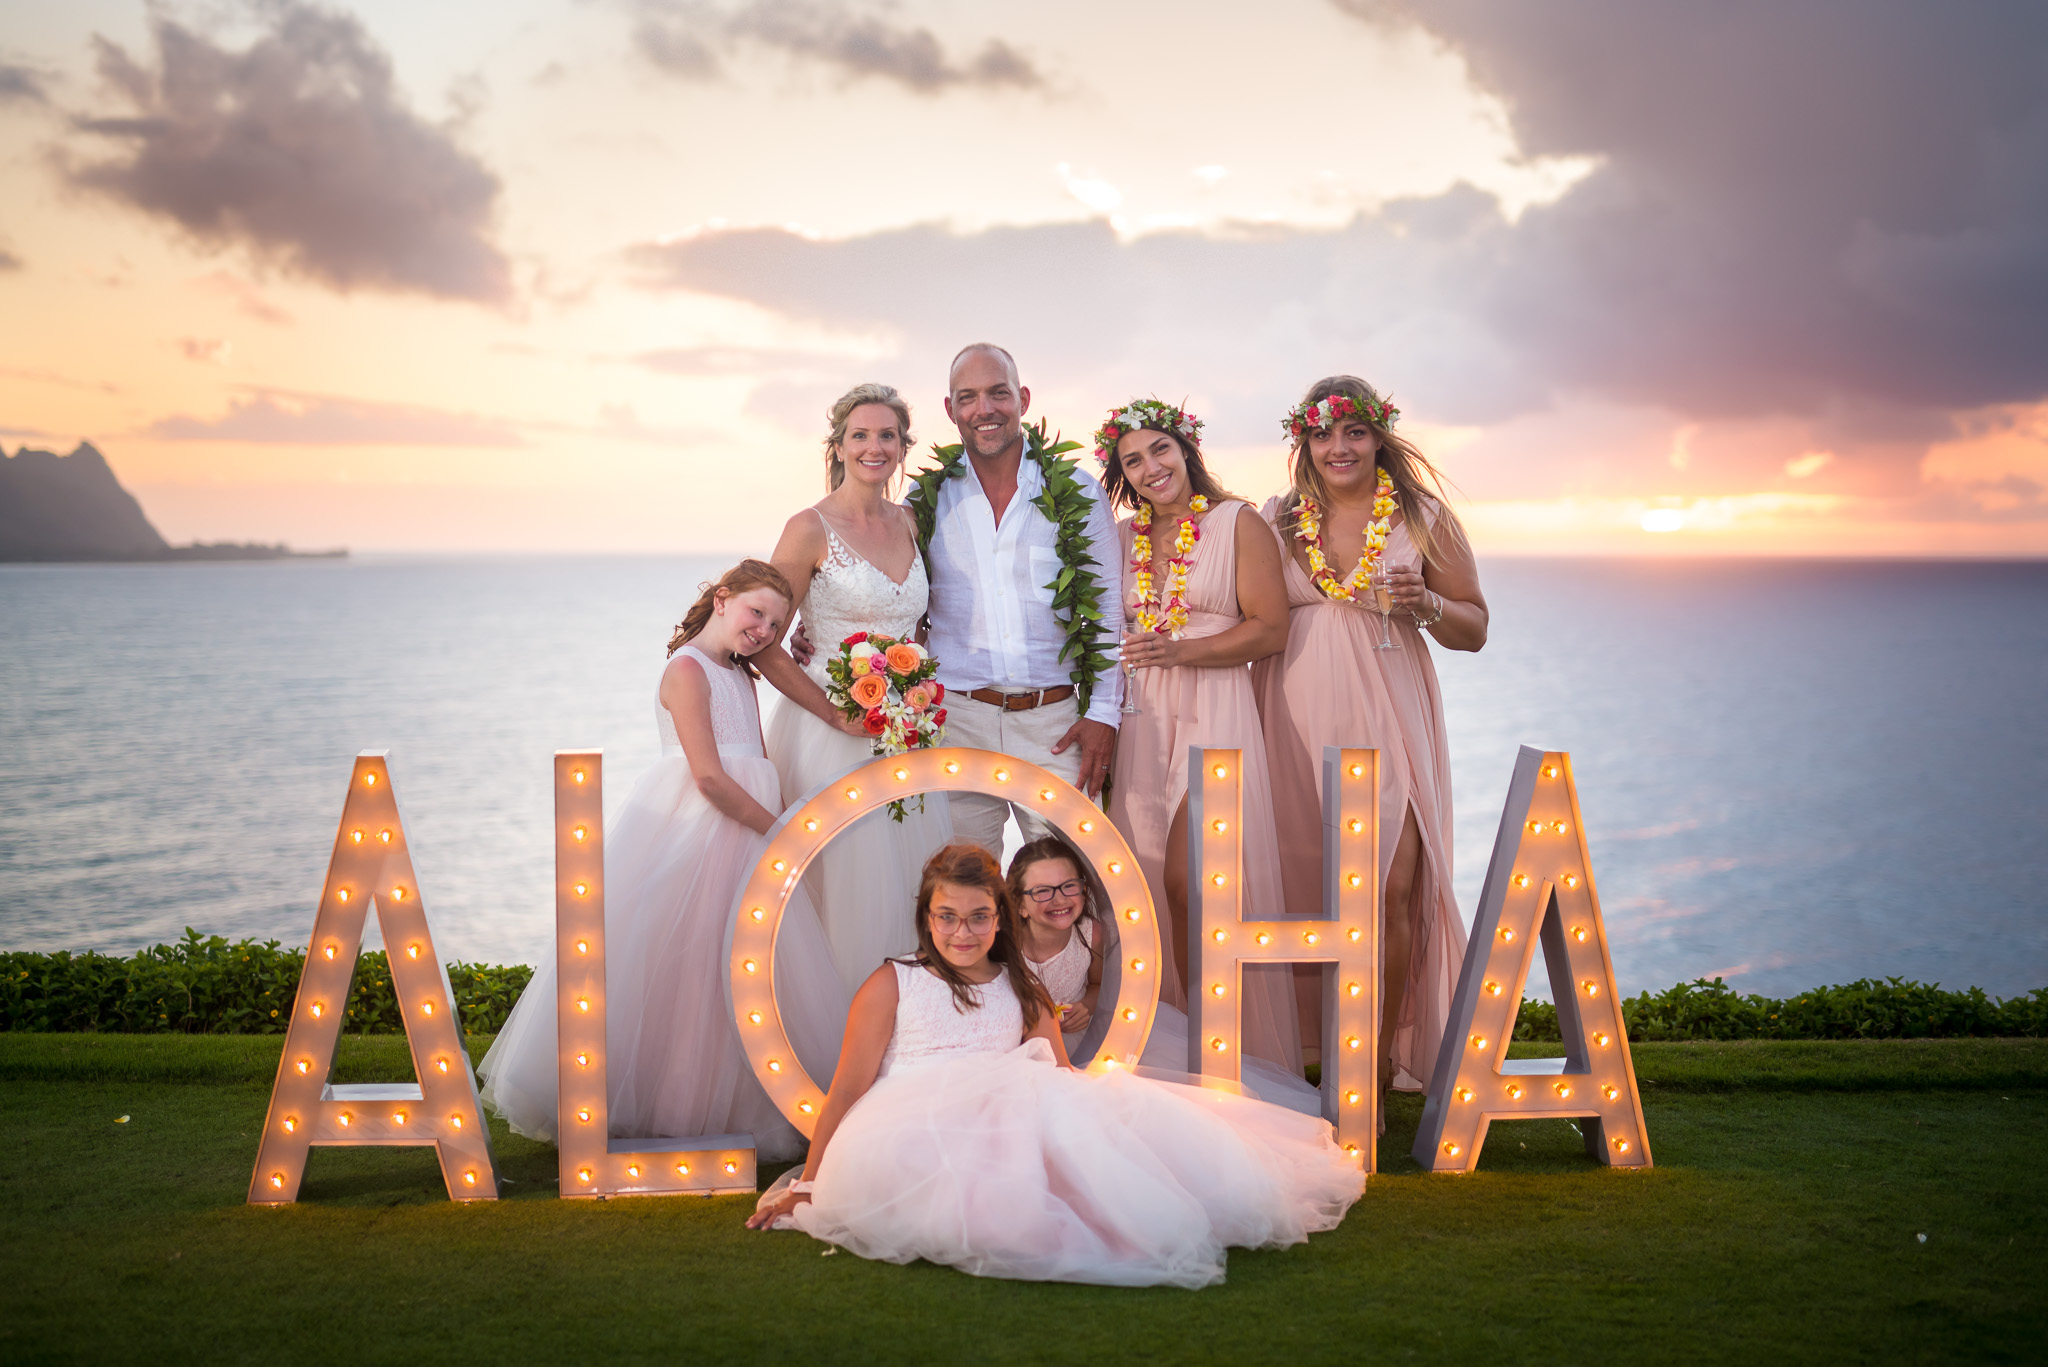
<point>1307,417</point>
<point>1144,413</point>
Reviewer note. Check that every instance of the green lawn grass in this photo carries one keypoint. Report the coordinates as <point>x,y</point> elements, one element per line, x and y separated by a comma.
<point>1782,1223</point>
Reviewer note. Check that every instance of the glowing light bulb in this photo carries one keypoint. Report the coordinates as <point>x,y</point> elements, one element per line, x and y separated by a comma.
<point>1217,879</point>
<point>1354,988</point>
<point>583,946</point>
<point>1311,937</point>
<point>426,1008</point>
<point>369,780</point>
<point>1620,1144</point>
<point>682,1169</point>
<point>1358,771</point>
<point>1355,933</point>
<point>583,1003</point>
<point>1601,1039</point>
<point>277,1180</point>
<point>780,866</point>
<point>1579,934</point>
<point>1514,1091</point>
<point>1130,913</point>
<point>952,766</point>
<point>754,1016</point>
<point>1220,772</point>
<point>1563,1089</point>
<point>412,951</point>
<point>1521,880</point>
<point>1493,989</point>
<point>385,836</point>
<point>1560,826</point>
<point>305,1065</point>
<point>1130,1013</point>
<point>1571,880</point>
<point>1217,1044</point>
<point>1087,827</point>
<point>1219,826</point>
<point>442,1064</point>
<point>579,832</point>
<point>811,823</point>
<point>1217,989</point>
<point>583,1060</point>
<point>341,895</point>
<point>632,1169</point>
<point>749,965</point>
<point>345,1118</point>
<point>853,794</point>
<point>317,1009</point>
<point>1351,1149</point>
<point>1219,936</point>
<point>732,1167</point>
<point>1263,938</point>
<point>1479,1041</point>
<point>1356,825</point>
<point>356,836</point>
<point>1464,1094</point>
<point>290,1124</point>
<point>1045,794</point>
<point>583,1175</point>
<point>583,1114</point>
<point>330,951</point>
<point>1610,1091</point>
<point>1354,880</point>
<point>1452,1149</point>
<point>398,1117</point>
<point>1550,771</point>
<point>576,774</point>
<point>805,1107</point>
<point>901,774</point>
<point>1507,936</point>
<point>758,913</point>
<point>456,1121</point>
<point>1137,965</point>
<point>774,1065</point>
<point>1592,989</point>
<point>469,1178</point>
<point>1352,1042</point>
<point>1002,775</point>
<point>398,894</point>
<point>1351,1098</point>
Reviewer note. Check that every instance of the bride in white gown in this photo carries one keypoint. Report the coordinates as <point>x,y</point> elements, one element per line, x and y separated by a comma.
<point>854,563</point>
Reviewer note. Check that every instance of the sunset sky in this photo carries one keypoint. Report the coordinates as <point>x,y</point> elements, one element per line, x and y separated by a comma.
<point>584,274</point>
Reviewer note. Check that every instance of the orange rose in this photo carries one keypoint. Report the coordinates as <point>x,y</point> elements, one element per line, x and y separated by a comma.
<point>869,690</point>
<point>903,658</point>
<point>917,698</point>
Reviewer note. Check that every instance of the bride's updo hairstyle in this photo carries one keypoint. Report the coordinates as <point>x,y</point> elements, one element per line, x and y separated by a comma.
<point>842,409</point>
<point>970,866</point>
<point>1415,479</point>
<point>1049,847</point>
<point>744,577</point>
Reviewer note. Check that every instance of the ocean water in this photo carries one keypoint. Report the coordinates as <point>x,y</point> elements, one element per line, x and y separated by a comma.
<point>1792,773</point>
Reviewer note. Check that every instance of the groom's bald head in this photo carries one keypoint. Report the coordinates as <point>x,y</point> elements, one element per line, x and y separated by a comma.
<point>983,349</point>
<point>985,401</point>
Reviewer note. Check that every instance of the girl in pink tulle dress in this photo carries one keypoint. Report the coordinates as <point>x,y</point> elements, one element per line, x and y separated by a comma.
<point>1363,498</point>
<point>956,1132</point>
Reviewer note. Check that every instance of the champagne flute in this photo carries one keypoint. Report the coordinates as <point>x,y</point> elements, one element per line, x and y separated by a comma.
<point>1382,602</point>
<point>1130,707</point>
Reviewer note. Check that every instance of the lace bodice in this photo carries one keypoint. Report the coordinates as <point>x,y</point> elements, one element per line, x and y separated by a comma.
<point>850,593</point>
<point>735,715</point>
<point>930,1026</point>
<point>1065,974</point>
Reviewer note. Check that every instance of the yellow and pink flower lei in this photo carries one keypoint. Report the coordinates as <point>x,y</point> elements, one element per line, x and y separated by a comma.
<point>1308,529</point>
<point>1146,608</point>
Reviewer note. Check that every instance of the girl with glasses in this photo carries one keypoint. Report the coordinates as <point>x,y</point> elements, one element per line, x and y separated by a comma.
<point>1058,930</point>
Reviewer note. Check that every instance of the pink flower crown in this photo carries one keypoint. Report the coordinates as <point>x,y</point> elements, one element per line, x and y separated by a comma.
<point>1144,413</point>
<point>1307,417</point>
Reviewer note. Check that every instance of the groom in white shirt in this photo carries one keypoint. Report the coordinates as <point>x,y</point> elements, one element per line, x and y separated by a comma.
<point>994,557</point>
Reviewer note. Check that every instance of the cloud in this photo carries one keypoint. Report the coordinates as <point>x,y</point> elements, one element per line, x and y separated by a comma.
<point>300,151</point>
<point>275,416</point>
<point>9,261</point>
<point>685,38</point>
<point>19,84</point>
<point>207,350</point>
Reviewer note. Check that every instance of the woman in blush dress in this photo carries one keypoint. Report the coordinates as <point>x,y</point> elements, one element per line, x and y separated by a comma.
<point>1366,523</point>
<point>852,558</point>
<point>675,855</point>
<point>955,1130</point>
<point>1202,598</point>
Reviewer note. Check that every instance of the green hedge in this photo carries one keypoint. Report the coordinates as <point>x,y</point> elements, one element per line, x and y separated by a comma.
<point>1892,1008</point>
<point>203,985</point>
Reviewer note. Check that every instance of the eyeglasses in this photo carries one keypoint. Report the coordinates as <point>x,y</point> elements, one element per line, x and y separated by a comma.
<point>981,922</point>
<point>1070,888</point>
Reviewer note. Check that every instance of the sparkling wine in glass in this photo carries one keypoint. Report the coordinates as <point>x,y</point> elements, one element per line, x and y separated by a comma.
<point>1382,602</point>
<point>1130,707</point>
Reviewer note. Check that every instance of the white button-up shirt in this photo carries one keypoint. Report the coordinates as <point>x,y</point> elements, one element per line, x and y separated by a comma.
<point>991,608</point>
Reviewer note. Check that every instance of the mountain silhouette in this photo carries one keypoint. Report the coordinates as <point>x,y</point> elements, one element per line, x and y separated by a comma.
<point>72,507</point>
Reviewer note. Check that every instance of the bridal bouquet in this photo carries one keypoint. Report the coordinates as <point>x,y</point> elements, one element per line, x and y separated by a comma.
<point>889,687</point>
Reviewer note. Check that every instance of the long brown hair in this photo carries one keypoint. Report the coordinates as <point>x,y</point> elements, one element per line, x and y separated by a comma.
<point>1414,477</point>
<point>1048,847</point>
<point>744,577</point>
<point>1124,494</point>
<point>970,866</point>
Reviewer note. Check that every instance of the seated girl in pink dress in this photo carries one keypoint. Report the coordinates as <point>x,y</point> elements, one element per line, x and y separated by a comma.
<point>956,1131</point>
<point>1374,553</point>
<point>1202,598</point>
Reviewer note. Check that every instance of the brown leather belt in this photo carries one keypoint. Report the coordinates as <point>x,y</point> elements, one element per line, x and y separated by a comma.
<point>1022,702</point>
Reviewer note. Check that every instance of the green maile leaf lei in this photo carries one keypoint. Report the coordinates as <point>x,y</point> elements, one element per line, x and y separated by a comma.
<point>1077,589</point>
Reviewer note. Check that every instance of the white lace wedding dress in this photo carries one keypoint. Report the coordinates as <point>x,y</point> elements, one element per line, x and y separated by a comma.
<point>975,1150</point>
<point>673,864</point>
<point>864,884</point>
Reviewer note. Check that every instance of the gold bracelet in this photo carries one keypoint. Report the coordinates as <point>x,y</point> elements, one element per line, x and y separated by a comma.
<point>1439,612</point>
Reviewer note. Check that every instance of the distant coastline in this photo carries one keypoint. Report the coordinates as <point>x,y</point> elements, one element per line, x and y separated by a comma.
<point>72,510</point>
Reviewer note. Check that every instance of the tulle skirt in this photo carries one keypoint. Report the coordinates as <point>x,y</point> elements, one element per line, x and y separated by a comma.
<point>1005,1165</point>
<point>863,884</point>
<point>674,1068</point>
<point>1166,1052</point>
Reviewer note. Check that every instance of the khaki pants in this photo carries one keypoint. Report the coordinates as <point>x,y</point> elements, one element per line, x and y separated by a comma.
<point>1024,735</point>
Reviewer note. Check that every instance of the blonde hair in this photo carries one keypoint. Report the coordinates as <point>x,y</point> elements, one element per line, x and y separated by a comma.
<point>744,577</point>
<point>1414,478</point>
<point>842,409</point>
